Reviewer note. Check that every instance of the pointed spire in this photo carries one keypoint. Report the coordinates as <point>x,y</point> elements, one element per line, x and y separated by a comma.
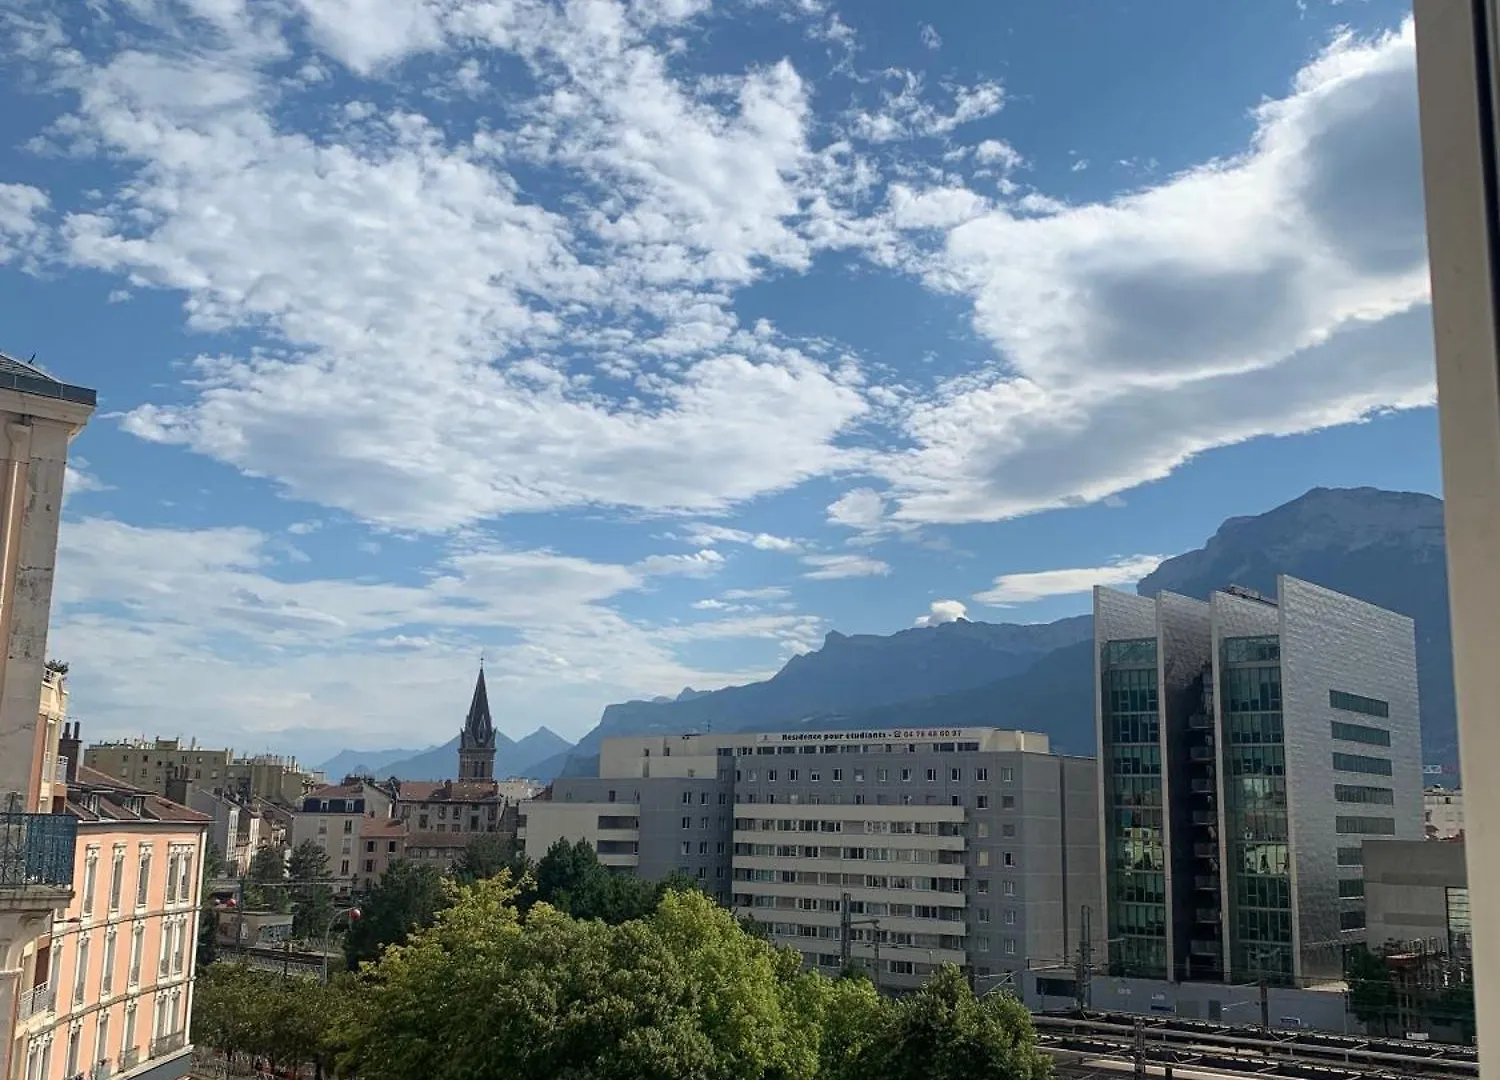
<point>479,727</point>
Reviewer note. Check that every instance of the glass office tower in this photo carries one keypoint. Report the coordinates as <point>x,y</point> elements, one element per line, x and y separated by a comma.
<point>1248,745</point>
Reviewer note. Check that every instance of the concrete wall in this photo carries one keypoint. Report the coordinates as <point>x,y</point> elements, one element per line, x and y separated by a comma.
<point>1334,642</point>
<point>1227,1003</point>
<point>1406,889</point>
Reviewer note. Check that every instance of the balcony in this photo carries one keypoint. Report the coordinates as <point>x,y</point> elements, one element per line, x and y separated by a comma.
<point>129,1059</point>
<point>36,850</point>
<point>102,1070</point>
<point>168,1044</point>
<point>37,1000</point>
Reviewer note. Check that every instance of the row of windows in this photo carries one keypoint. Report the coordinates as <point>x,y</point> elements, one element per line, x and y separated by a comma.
<point>1339,699</point>
<point>840,748</point>
<point>179,877</point>
<point>902,828</point>
<point>1130,691</point>
<point>1252,650</point>
<point>686,847</point>
<point>1252,689</point>
<point>981,802</point>
<point>850,881</point>
<point>882,776</point>
<point>1369,826</point>
<point>1130,652</point>
<point>687,796</point>
<point>1359,793</point>
<point>1361,733</point>
<point>809,851</point>
<point>1360,763</point>
<point>687,822</point>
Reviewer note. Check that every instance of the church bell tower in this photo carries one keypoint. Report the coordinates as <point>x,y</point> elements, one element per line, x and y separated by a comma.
<point>476,742</point>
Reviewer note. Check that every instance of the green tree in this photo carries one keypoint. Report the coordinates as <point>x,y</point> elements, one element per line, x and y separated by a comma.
<point>1372,994</point>
<point>683,993</point>
<point>487,855</point>
<point>312,900</point>
<point>229,1009</point>
<point>944,1032</point>
<point>208,916</point>
<point>263,880</point>
<point>408,896</point>
<point>570,878</point>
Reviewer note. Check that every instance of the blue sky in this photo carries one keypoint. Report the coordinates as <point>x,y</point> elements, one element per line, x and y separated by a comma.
<point>638,343</point>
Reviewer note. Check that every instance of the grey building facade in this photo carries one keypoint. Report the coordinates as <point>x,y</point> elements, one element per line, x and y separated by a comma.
<point>1248,746</point>
<point>1417,895</point>
<point>896,850</point>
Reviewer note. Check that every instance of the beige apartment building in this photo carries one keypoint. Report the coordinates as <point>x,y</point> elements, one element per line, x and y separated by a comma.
<point>339,818</point>
<point>1443,813</point>
<point>897,850</point>
<point>155,764</point>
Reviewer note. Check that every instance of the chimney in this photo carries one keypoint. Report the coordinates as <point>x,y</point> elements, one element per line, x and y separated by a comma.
<point>70,746</point>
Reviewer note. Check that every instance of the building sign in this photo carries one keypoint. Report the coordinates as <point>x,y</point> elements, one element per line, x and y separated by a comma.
<point>895,735</point>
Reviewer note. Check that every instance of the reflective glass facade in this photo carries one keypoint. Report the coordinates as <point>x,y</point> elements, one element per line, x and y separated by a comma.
<point>1255,807</point>
<point>1135,838</point>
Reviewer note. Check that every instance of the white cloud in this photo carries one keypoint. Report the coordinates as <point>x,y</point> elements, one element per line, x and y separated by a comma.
<point>1276,292</point>
<point>567,357</point>
<point>708,535</point>
<point>831,567</point>
<point>943,611</point>
<point>699,564</point>
<point>908,113</point>
<point>1011,589</point>
<point>21,208</point>
<point>211,613</point>
<point>931,39</point>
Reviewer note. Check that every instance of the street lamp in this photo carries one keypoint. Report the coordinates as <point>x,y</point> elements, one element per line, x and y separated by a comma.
<point>352,914</point>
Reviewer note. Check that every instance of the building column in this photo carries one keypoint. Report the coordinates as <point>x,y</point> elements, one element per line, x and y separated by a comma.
<point>1456,69</point>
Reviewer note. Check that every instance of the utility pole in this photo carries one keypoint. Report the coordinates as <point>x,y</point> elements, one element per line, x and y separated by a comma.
<point>1265,1002</point>
<point>1083,976</point>
<point>1140,1050</point>
<point>846,947</point>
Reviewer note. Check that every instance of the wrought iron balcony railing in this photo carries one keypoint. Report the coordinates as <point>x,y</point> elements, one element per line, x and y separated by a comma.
<point>36,849</point>
<point>39,999</point>
<point>168,1043</point>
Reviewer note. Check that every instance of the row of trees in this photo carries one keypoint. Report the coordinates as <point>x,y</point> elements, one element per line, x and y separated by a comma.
<point>503,983</point>
<point>569,878</point>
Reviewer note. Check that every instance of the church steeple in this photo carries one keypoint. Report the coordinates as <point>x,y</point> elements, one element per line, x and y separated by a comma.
<point>476,742</point>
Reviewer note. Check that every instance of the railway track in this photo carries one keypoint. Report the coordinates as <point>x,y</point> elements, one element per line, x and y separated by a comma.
<point>1191,1046</point>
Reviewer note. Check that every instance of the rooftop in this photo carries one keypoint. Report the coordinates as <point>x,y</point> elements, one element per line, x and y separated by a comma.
<point>97,797</point>
<point>29,379</point>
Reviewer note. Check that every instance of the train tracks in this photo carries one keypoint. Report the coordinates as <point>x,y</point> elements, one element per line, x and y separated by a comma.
<point>1196,1048</point>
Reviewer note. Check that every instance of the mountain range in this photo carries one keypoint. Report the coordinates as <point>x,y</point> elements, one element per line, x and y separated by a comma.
<point>1381,546</point>
<point>539,755</point>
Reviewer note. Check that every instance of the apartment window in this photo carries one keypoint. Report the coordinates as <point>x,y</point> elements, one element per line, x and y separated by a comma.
<point>719,848</point>
<point>1369,826</point>
<point>859,776</point>
<point>116,880</point>
<point>983,914</point>
<point>791,775</point>
<point>127,1041</point>
<point>1007,775</point>
<point>900,967</point>
<point>686,847</point>
<point>687,798</point>
<point>344,867</point>
<point>882,776</point>
<point>1361,764</point>
<point>101,1039</point>
<point>932,776</point>
<point>1010,946</point>
<point>185,878</point>
<point>172,877</point>
<point>81,972</point>
<point>982,829</point>
<point>1351,856</point>
<point>905,776</point>
<point>1010,916</point>
<point>983,942</point>
<point>1352,920</point>
<point>143,879</point>
<point>1351,888</point>
<point>1355,793</point>
<point>137,947</point>
<point>1338,699</point>
<point>107,976</point>
<point>1008,888</point>
<point>982,802</point>
<point>687,823</point>
<point>815,776</point>
<point>369,847</point>
<point>1007,802</point>
<point>702,847</point>
<point>1361,733</point>
<point>349,822</point>
<point>1010,858</point>
<point>984,858</point>
<point>1008,829</point>
<point>984,885</point>
<point>955,775</point>
<point>982,775</point>
<point>75,1047</point>
<point>838,775</point>
<point>369,866</point>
